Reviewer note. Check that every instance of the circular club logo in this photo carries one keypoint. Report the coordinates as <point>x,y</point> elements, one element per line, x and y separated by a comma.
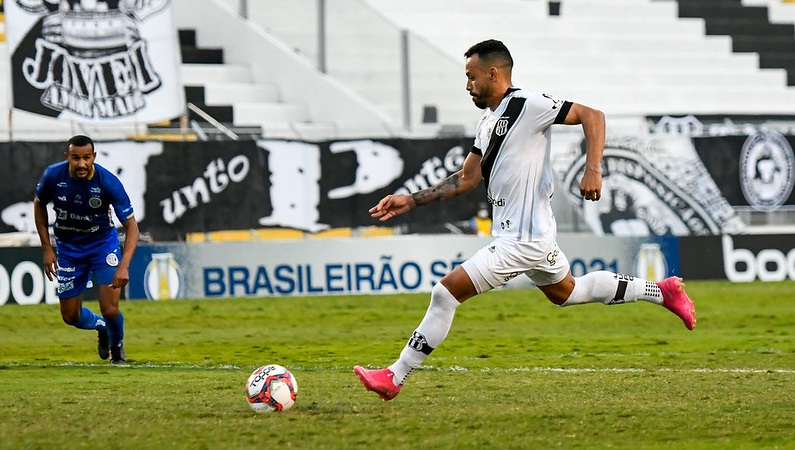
<point>112,259</point>
<point>767,170</point>
<point>163,278</point>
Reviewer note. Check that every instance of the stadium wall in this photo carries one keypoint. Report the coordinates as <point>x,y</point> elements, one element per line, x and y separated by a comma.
<point>408,264</point>
<point>379,265</point>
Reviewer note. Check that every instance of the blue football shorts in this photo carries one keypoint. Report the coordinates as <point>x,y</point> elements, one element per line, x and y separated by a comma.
<point>75,270</point>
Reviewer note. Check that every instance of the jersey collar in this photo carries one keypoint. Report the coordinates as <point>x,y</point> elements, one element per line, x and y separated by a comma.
<point>510,89</point>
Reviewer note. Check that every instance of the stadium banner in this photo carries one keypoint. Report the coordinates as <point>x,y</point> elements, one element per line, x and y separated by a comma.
<point>752,163</point>
<point>22,277</point>
<point>651,186</point>
<point>320,266</point>
<point>97,62</point>
<point>334,266</point>
<point>183,187</point>
<point>740,258</point>
<point>26,163</point>
<point>753,172</point>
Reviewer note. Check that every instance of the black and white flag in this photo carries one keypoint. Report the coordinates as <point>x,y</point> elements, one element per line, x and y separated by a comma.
<point>95,61</point>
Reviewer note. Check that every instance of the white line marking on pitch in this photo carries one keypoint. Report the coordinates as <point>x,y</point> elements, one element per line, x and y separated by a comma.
<point>134,365</point>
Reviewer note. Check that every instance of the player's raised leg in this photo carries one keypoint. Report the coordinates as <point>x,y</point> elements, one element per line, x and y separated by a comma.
<point>613,288</point>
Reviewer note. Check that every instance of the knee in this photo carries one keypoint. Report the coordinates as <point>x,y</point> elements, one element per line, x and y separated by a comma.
<point>556,299</point>
<point>70,318</point>
<point>559,292</point>
<point>442,298</point>
<point>109,311</point>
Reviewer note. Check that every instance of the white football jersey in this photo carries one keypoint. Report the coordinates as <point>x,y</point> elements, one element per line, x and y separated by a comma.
<point>514,142</point>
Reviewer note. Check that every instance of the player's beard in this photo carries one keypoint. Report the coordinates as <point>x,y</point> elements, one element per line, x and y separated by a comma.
<point>81,173</point>
<point>479,98</point>
<point>479,102</point>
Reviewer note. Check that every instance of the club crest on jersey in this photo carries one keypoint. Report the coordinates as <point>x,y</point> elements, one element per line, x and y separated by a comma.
<point>501,127</point>
<point>95,202</point>
<point>112,259</point>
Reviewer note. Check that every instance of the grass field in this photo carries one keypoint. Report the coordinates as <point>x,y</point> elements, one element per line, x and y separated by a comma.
<point>515,372</point>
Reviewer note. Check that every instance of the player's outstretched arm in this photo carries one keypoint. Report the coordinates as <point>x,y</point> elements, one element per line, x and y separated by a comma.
<point>458,183</point>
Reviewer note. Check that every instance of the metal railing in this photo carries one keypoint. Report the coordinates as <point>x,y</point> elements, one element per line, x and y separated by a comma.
<point>211,120</point>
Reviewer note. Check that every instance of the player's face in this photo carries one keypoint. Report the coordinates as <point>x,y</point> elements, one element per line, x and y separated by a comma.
<point>479,81</point>
<point>81,161</point>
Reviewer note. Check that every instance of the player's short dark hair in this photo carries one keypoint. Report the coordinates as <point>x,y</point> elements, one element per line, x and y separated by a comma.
<point>491,50</point>
<point>80,141</point>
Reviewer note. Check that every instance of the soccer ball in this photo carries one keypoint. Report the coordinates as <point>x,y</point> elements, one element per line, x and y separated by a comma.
<point>271,388</point>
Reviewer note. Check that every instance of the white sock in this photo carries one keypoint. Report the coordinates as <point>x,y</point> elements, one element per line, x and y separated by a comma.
<point>428,335</point>
<point>611,289</point>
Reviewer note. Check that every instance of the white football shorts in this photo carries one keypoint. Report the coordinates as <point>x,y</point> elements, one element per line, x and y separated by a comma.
<point>505,258</point>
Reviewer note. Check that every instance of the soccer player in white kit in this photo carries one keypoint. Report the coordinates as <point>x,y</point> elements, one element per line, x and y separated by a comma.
<point>511,154</point>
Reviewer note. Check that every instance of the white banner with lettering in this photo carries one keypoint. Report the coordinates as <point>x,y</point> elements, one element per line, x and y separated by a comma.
<point>95,61</point>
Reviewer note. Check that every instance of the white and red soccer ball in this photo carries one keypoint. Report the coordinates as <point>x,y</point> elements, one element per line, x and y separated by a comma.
<point>271,388</point>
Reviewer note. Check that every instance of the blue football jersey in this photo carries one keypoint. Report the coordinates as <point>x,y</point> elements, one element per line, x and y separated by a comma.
<point>83,218</point>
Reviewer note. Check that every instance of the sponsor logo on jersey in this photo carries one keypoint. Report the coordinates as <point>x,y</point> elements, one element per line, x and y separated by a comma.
<point>495,201</point>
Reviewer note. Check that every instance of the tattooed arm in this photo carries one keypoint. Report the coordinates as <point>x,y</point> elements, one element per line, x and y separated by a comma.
<point>458,183</point>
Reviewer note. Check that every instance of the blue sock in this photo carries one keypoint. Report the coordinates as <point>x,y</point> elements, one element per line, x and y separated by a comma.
<point>116,329</point>
<point>90,321</point>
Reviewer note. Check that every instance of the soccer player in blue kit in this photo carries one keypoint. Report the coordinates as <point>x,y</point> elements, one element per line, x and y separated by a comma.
<point>87,242</point>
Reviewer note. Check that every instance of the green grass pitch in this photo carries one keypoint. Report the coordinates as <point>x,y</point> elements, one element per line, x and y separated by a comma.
<point>515,372</point>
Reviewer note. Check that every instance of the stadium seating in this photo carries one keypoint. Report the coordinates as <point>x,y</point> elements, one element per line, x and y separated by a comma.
<point>310,105</point>
<point>630,58</point>
<point>627,57</point>
<point>751,29</point>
